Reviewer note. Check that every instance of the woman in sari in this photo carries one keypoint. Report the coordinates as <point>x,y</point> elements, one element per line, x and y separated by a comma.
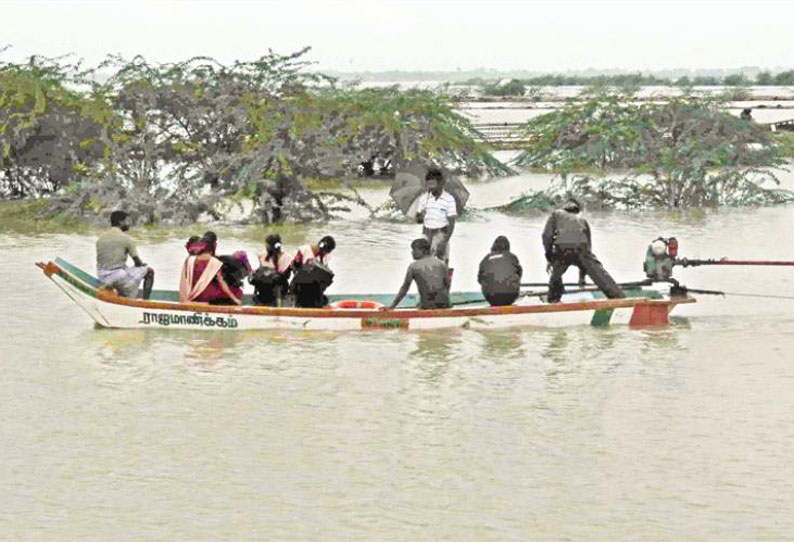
<point>202,280</point>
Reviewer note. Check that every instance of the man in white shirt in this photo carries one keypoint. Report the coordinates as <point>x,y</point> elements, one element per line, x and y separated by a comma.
<point>437,212</point>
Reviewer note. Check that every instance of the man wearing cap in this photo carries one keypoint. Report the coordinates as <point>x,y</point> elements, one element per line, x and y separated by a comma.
<point>437,212</point>
<point>112,249</point>
<point>566,242</point>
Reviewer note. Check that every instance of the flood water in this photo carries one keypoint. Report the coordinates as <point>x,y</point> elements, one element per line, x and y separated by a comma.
<point>681,433</point>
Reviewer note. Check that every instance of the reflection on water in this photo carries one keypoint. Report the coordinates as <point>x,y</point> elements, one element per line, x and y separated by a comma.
<point>579,433</point>
<point>502,344</point>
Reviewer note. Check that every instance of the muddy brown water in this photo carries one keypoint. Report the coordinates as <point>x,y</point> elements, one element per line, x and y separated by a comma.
<point>681,433</point>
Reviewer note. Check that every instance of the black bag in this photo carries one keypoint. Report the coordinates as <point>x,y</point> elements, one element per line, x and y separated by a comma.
<point>269,286</point>
<point>309,284</point>
<point>233,270</point>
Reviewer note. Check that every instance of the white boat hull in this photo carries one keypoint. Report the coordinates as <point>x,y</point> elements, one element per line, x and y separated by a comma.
<point>111,311</point>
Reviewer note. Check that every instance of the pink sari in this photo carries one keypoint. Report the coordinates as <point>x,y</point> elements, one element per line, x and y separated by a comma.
<point>189,287</point>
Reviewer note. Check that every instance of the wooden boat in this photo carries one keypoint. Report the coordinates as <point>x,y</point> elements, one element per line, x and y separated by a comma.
<point>643,306</point>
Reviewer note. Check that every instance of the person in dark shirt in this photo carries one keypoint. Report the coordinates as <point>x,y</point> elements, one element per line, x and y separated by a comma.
<point>430,275</point>
<point>500,274</point>
<point>566,242</point>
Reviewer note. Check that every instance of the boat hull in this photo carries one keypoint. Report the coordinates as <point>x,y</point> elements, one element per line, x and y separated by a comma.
<point>111,311</point>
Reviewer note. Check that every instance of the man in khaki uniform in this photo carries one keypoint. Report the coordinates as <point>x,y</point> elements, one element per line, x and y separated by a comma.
<point>112,249</point>
<point>567,241</point>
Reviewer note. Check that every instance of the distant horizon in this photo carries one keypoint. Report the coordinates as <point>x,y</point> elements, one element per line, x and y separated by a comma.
<point>6,50</point>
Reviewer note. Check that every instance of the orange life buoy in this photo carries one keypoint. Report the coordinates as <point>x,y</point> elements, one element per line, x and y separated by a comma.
<point>355,304</point>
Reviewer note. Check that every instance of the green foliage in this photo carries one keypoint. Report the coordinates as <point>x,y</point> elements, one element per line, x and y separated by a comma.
<point>629,80</point>
<point>682,152</point>
<point>764,79</point>
<point>735,80</point>
<point>514,87</point>
<point>785,78</point>
<point>784,141</point>
<point>48,130</point>
<point>172,140</point>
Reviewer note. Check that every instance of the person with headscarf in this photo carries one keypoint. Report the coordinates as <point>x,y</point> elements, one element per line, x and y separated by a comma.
<point>500,274</point>
<point>202,280</point>
<point>567,241</point>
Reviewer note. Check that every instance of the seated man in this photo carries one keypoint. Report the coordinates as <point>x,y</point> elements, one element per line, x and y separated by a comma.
<point>202,279</point>
<point>500,274</point>
<point>112,249</point>
<point>430,275</point>
<point>311,273</point>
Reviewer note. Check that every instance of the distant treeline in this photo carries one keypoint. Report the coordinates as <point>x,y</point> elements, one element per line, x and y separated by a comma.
<point>637,79</point>
<point>745,76</point>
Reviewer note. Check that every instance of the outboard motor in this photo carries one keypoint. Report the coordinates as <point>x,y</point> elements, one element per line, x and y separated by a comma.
<point>660,258</point>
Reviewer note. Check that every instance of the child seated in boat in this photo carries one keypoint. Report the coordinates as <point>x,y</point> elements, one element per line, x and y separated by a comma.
<point>202,280</point>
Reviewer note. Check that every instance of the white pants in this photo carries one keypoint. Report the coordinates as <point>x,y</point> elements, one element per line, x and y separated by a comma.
<point>124,279</point>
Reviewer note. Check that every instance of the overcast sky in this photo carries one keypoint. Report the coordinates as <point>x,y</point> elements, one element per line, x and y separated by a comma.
<point>425,35</point>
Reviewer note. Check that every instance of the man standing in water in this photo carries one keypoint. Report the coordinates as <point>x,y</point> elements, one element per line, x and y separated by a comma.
<point>430,275</point>
<point>437,212</point>
<point>112,249</point>
<point>567,241</point>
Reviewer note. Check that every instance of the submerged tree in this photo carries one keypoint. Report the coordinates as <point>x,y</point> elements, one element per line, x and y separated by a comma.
<point>49,130</point>
<point>175,141</point>
<point>681,152</point>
